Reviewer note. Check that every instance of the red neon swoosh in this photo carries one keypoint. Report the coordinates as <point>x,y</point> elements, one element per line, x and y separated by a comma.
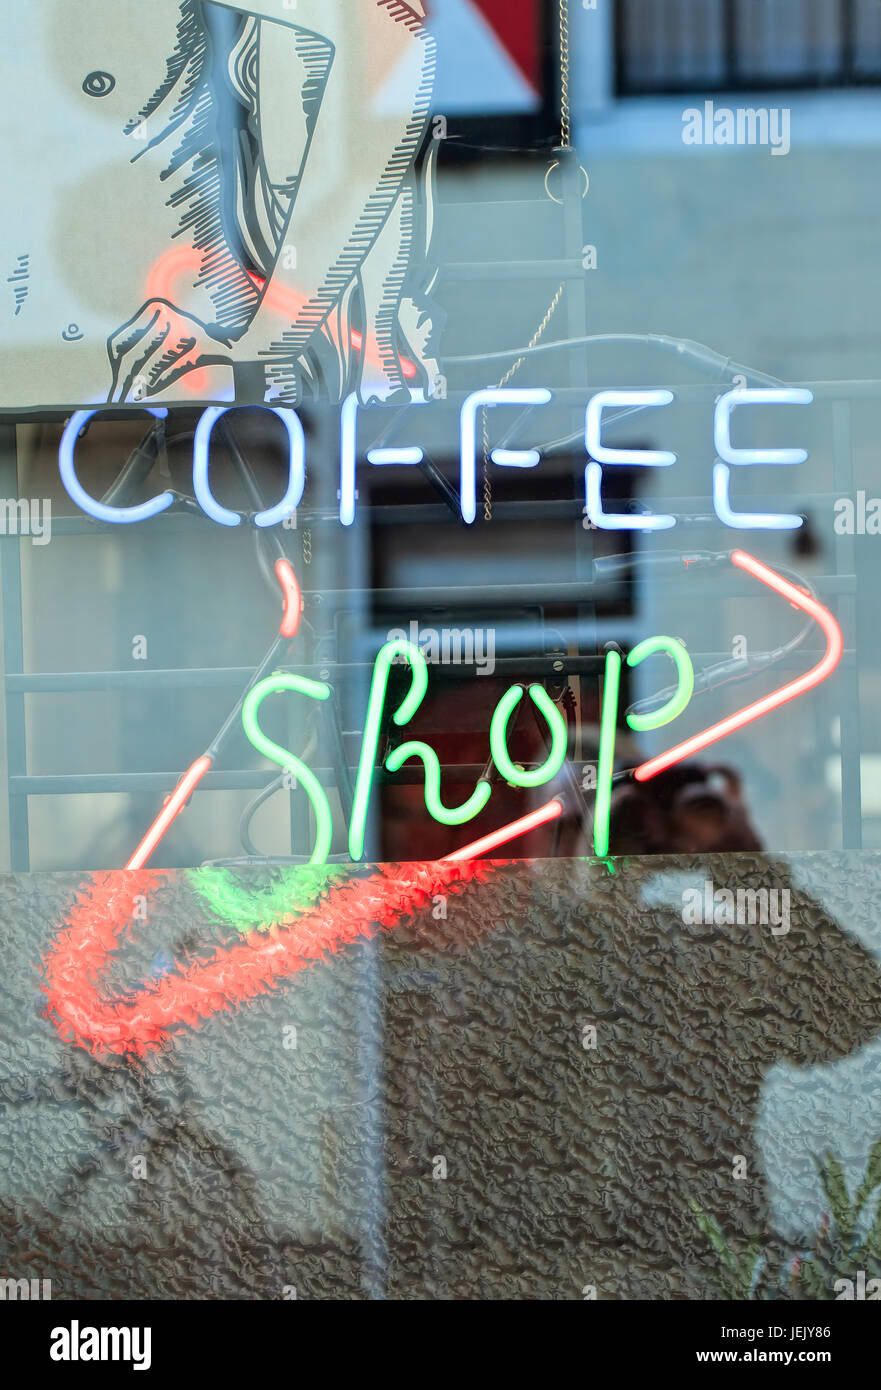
<point>137,1023</point>
<point>360,908</point>
<point>747,715</point>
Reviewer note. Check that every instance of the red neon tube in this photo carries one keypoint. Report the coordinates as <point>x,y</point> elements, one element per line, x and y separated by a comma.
<point>290,620</point>
<point>180,261</point>
<point>742,717</point>
<point>542,816</point>
<point>170,811</point>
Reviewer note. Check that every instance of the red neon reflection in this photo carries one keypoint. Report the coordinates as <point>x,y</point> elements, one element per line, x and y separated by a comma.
<point>290,589</point>
<point>183,263</point>
<point>542,816</point>
<point>742,717</point>
<point>361,908</point>
<point>170,811</point>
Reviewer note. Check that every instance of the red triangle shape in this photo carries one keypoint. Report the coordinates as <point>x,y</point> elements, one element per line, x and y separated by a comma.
<point>516,22</point>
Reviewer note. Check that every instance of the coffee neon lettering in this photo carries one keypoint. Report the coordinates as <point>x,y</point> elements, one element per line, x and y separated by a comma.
<point>601,456</point>
<point>121,516</point>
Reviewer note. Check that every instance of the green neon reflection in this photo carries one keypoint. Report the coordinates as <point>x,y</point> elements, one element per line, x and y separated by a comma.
<point>457,815</point>
<point>498,737</point>
<point>402,715</point>
<point>315,690</point>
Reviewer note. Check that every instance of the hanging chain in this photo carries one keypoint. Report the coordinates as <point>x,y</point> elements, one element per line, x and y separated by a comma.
<point>565,67</point>
<point>566,143</point>
<point>487,481</point>
<point>307,547</point>
<point>533,342</point>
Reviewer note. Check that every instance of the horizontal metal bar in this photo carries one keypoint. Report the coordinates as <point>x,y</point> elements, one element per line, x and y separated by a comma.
<point>61,682</point>
<point>134,783</point>
<point>556,269</point>
<point>52,682</point>
<point>841,390</point>
<point>550,664</point>
<point>575,591</point>
<point>696,509</point>
<point>68,682</point>
<point>76,783</point>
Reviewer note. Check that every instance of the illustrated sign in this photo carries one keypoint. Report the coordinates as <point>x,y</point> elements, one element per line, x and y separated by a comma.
<point>190,189</point>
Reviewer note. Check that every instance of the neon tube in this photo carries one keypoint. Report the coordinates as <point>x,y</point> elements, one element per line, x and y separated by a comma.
<point>516,458</point>
<point>542,816</point>
<point>747,521</point>
<point>786,395</point>
<point>290,619</point>
<point>385,458</point>
<point>370,742</point>
<point>87,1010</point>
<point>513,458</point>
<point>348,456</point>
<point>593,428</point>
<point>121,516</point>
<point>315,690</point>
<point>616,521</point>
<point>748,715</point>
<point>608,728</point>
<point>170,811</point>
<point>293,496</point>
<point>296,468</point>
<point>456,815</point>
<point>641,723</point>
<point>498,737</point>
<point>601,454</point>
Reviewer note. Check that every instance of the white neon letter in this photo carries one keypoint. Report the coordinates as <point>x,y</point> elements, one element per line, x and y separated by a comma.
<point>743,521</point>
<point>504,458</point>
<point>786,395</point>
<point>402,456</point>
<point>641,458</point>
<point>296,468</point>
<point>120,516</point>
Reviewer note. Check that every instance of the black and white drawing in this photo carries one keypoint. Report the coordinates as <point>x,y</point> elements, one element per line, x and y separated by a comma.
<point>206,195</point>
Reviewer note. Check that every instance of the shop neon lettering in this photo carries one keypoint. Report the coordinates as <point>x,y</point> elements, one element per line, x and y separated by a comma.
<point>391,652</point>
<point>601,457</point>
<point>401,649</point>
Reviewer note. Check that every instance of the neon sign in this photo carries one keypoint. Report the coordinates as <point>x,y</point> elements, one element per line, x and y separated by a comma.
<point>640,723</point>
<point>602,456</point>
<point>359,908</point>
<point>402,650</point>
